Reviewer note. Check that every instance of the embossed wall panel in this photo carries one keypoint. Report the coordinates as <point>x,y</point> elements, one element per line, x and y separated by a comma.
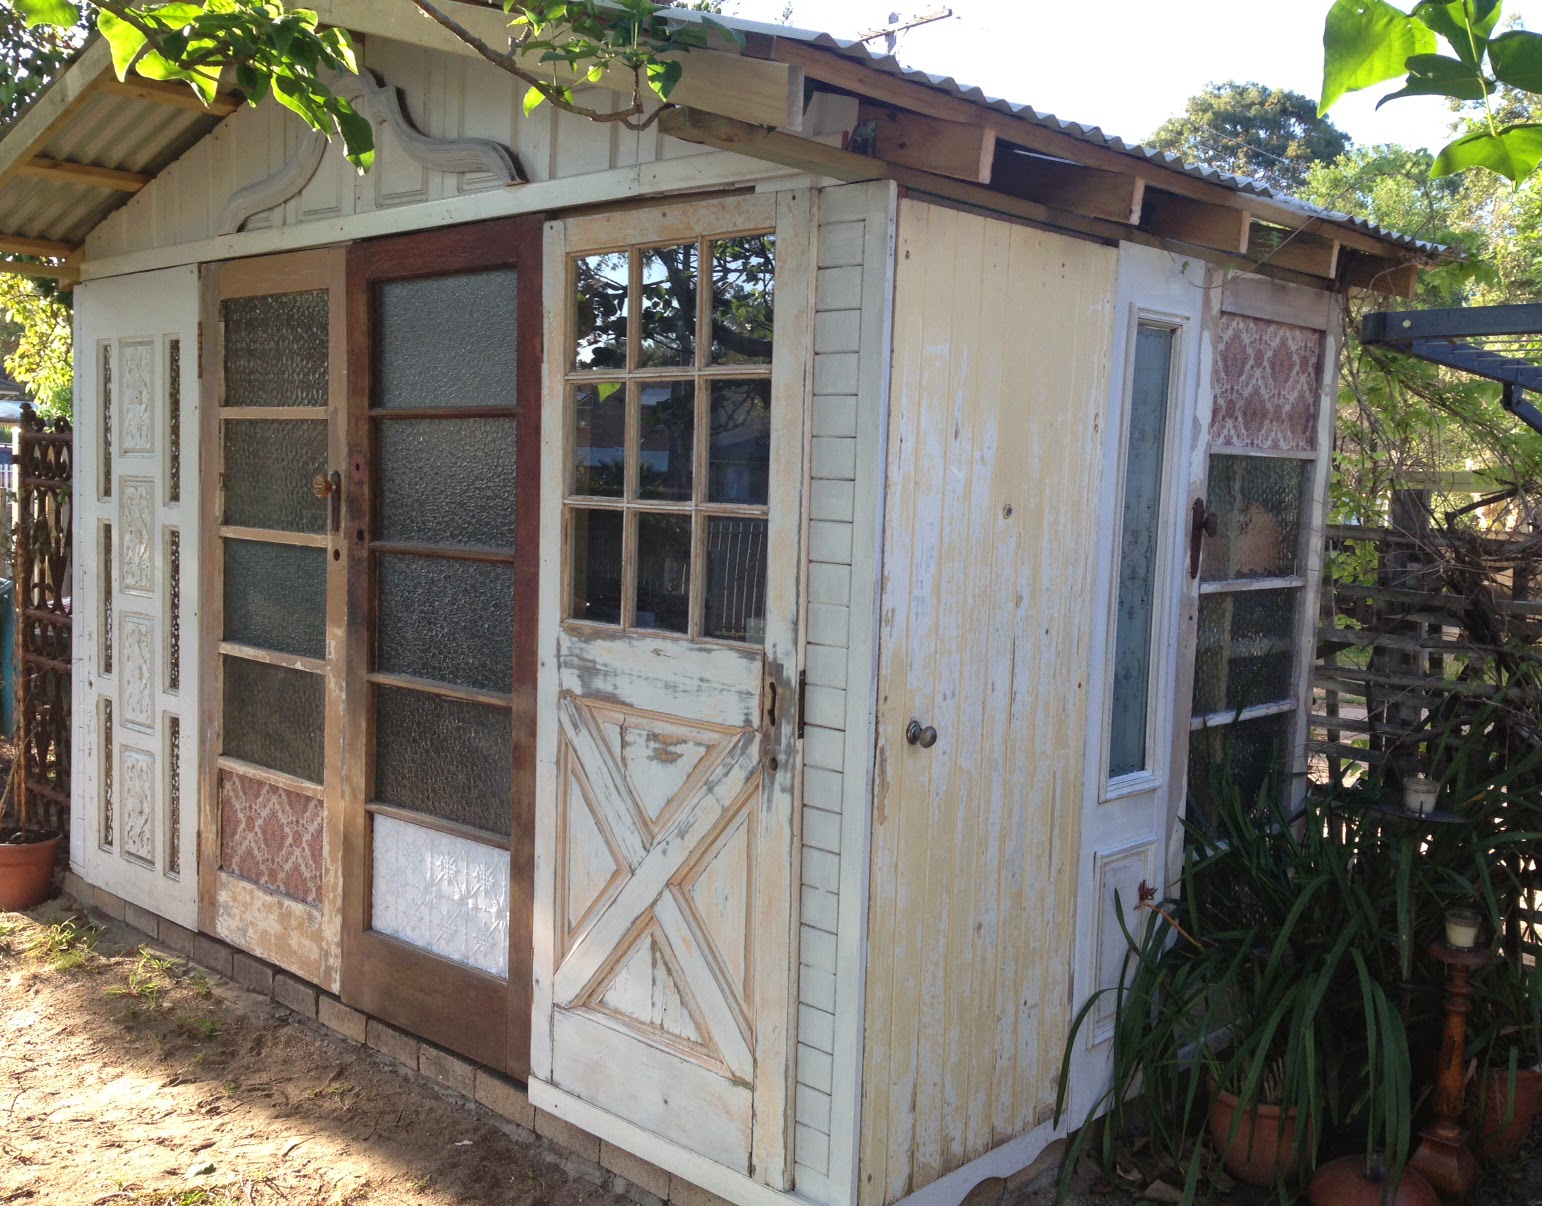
<point>1267,381</point>
<point>137,683</point>
<point>137,395</point>
<point>443,893</point>
<point>271,835</point>
<point>139,805</point>
<point>138,525</point>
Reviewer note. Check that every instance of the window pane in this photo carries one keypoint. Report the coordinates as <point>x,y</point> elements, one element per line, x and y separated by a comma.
<point>1140,532</point>
<point>448,340</point>
<point>1246,650</point>
<point>667,422</point>
<point>739,442</point>
<point>269,467</point>
<point>664,571</point>
<point>447,481</point>
<point>1258,501</point>
<point>599,439</point>
<point>736,580</point>
<point>276,350</point>
<point>743,280</point>
<point>275,717</point>
<point>276,597</point>
<point>445,757</point>
<point>451,621</point>
<point>596,555</point>
<point>1243,757</point>
<point>668,299</point>
<point>601,315</point>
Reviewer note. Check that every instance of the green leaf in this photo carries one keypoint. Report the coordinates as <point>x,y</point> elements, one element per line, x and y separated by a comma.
<point>358,134</point>
<point>533,98</point>
<point>1466,24</point>
<point>1367,42</point>
<point>1516,58</point>
<point>48,12</point>
<point>123,40</point>
<point>662,77</point>
<point>1514,152</point>
<point>1438,75</point>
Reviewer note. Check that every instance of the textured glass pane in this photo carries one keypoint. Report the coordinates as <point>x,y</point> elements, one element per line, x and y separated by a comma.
<point>1245,757</point>
<point>106,406</point>
<point>1257,501</point>
<point>107,598</point>
<point>599,439</point>
<point>1246,650</point>
<point>736,580</point>
<point>270,465</point>
<point>668,300</point>
<point>743,276</point>
<point>276,597</point>
<point>276,350</point>
<point>174,420</point>
<point>664,571</point>
<point>451,621</point>
<point>667,422</point>
<point>173,609</point>
<point>600,315</point>
<point>1140,531</point>
<point>173,795</point>
<point>275,717</point>
<point>447,481</point>
<point>739,442</point>
<point>445,757</point>
<point>596,557</point>
<point>447,340</point>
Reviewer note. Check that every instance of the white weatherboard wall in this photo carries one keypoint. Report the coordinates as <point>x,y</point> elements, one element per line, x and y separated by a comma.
<point>851,332</point>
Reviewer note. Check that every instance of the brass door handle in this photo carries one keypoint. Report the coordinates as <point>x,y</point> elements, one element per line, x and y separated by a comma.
<point>330,487</point>
<point>924,737</point>
<point>1205,523</point>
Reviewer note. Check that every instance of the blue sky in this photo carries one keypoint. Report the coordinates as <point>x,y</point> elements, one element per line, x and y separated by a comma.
<point>1126,65</point>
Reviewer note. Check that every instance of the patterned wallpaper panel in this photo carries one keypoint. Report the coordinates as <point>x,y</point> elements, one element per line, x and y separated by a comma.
<point>443,893</point>
<point>1267,378</point>
<point>271,836</point>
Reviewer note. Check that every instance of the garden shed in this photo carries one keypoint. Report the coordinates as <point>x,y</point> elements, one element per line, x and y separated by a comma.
<point>702,621</point>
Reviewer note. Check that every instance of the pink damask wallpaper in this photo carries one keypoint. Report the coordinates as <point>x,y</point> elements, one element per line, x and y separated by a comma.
<point>1267,377</point>
<point>271,836</point>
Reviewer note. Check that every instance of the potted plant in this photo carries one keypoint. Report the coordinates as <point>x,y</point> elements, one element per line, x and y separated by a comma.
<point>27,852</point>
<point>1508,1049</point>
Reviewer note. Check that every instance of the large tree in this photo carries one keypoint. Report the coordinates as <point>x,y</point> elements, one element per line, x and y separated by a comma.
<point>1271,134</point>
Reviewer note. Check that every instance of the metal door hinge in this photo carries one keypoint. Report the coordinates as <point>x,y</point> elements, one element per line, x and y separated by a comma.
<point>802,699</point>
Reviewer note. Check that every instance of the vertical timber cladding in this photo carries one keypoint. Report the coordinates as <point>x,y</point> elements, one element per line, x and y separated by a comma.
<point>1001,345</point>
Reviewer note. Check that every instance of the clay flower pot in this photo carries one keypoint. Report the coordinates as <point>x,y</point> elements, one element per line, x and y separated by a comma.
<point>1498,1139</point>
<point>26,873</point>
<point>1263,1150</point>
<point>1345,1182</point>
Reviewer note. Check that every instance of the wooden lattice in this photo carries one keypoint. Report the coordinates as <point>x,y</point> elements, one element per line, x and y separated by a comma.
<point>44,537</point>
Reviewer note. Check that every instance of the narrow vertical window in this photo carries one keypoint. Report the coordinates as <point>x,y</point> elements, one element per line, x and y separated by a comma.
<point>107,741</point>
<point>106,405</point>
<point>174,421</point>
<point>173,609</point>
<point>1140,539</point>
<point>173,795</point>
<point>107,598</point>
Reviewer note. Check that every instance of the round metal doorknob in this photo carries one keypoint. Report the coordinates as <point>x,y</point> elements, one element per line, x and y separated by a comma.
<point>924,737</point>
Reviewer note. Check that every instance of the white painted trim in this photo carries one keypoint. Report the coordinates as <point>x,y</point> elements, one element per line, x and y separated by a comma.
<point>671,1157</point>
<point>713,172</point>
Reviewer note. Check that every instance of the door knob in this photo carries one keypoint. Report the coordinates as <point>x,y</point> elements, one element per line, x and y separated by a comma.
<point>330,486</point>
<point>924,737</point>
<point>1204,523</point>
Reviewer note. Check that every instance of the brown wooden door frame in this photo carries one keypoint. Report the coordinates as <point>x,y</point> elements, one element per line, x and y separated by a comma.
<point>459,1007</point>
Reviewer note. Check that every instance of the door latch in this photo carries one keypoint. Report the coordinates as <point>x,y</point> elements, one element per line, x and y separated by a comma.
<point>330,487</point>
<point>1205,523</point>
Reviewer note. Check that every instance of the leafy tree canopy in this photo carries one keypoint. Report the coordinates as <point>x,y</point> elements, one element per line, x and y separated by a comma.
<point>1271,134</point>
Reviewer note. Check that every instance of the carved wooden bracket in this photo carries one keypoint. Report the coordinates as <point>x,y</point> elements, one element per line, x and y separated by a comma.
<point>382,104</point>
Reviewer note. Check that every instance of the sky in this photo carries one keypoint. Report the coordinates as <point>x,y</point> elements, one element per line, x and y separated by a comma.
<point>1127,65</point>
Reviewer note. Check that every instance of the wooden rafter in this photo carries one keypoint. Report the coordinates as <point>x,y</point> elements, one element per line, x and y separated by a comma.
<point>949,148</point>
<point>1297,249</point>
<point>1064,185</point>
<point>49,248</point>
<point>85,174</point>
<point>176,95</point>
<point>1197,222</point>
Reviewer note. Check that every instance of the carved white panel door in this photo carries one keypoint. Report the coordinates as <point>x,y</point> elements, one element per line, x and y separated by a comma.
<point>134,806</point>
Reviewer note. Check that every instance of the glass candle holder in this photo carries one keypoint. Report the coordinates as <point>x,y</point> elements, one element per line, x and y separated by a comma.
<point>1420,795</point>
<point>1462,928</point>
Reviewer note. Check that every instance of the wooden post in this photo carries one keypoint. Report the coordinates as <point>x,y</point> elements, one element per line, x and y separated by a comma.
<point>1445,1157</point>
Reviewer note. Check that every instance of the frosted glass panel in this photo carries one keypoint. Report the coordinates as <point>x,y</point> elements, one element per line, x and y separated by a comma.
<point>736,580</point>
<point>447,481</point>
<point>276,597</point>
<point>664,571</point>
<point>1140,533</point>
<point>450,621</point>
<point>1246,650</point>
<point>667,422</point>
<point>450,759</point>
<point>739,442</point>
<point>269,467</point>
<point>599,439</point>
<point>1245,757</point>
<point>668,300</point>
<point>276,350</point>
<point>601,310</point>
<point>1258,502</point>
<point>743,279</point>
<point>275,717</point>
<point>596,537</point>
<point>448,340</point>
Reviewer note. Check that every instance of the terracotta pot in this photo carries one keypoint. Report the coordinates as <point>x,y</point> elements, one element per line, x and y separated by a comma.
<point>1344,1182</point>
<point>1496,1138</point>
<point>26,873</point>
<point>1263,1150</point>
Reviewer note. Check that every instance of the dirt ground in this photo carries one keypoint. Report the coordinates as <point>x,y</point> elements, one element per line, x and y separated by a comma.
<point>129,1077</point>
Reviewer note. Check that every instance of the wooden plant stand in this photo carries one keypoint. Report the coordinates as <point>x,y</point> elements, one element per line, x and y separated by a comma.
<point>1445,1156</point>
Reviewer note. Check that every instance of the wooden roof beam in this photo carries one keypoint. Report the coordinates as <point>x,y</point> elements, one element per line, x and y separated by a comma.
<point>949,148</point>
<point>1380,274</point>
<point>1071,186</point>
<point>1295,249</point>
<point>85,174</point>
<point>169,92</point>
<point>48,248</point>
<point>68,274</point>
<point>1190,221</point>
<point>32,131</point>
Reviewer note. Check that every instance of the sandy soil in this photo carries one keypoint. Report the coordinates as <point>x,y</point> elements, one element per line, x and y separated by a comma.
<point>129,1077</point>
